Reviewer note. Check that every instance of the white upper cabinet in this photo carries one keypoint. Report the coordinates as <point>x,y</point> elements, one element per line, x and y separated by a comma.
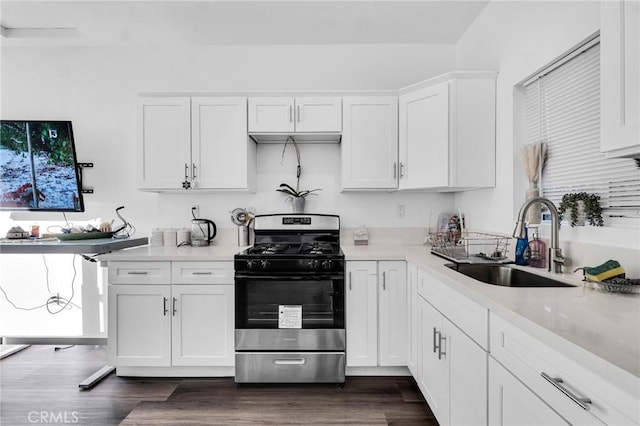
<point>369,145</point>
<point>424,138</point>
<point>164,142</point>
<point>447,133</point>
<point>220,145</point>
<point>194,143</point>
<point>300,114</point>
<point>620,78</point>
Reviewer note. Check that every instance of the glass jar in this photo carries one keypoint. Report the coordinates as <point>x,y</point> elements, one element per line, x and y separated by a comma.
<point>536,252</point>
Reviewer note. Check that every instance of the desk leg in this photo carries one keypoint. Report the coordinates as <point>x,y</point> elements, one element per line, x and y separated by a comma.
<point>8,350</point>
<point>96,377</point>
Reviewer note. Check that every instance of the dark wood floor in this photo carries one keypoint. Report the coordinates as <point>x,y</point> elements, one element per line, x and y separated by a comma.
<point>40,385</point>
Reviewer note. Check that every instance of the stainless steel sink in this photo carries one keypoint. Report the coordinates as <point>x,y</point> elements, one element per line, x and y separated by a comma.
<point>506,275</point>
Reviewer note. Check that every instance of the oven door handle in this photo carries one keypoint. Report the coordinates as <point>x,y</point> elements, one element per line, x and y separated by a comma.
<point>290,277</point>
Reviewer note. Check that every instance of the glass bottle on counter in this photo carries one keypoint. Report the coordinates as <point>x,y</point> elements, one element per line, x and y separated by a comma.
<point>536,252</point>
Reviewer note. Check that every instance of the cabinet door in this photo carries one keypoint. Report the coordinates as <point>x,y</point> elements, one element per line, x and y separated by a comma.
<point>271,114</point>
<point>369,146</point>
<point>433,372</point>
<point>412,319</point>
<point>220,145</point>
<point>512,403</point>
<point>467,376</point>
<point>392,313</point>
<point>203,324</point>
<point>362,314</point>
<point>164,142</point>
<point>424,138</point>
<point>140,325</point>
<point>318,114</point>
<point>620,78</point>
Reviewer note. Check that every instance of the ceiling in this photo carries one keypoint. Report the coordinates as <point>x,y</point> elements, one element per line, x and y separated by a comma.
<point>238,22</point>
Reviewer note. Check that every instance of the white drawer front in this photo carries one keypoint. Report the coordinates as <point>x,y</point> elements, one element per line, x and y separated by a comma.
<point>528,358</point>
<point>214,272</point>
<point>139,272</point>
<point>467,315</point>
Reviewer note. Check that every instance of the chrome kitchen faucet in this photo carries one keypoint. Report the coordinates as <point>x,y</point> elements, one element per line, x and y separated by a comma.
<point>555,252</point>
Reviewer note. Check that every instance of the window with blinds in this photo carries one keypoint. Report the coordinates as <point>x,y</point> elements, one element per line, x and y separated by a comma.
<point>563,111</point>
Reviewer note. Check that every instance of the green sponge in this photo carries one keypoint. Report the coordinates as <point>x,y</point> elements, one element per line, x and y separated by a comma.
<point>609,269</point>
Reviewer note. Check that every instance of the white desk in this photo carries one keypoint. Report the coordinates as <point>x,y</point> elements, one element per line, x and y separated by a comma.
<point>84,247</point>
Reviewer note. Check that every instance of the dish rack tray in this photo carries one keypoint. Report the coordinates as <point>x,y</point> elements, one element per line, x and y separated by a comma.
<point>469,246</point>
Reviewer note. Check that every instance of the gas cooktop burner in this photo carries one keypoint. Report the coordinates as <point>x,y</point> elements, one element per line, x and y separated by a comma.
<point>317,248</point>
<point>269,248</point>
<point>290,248</point>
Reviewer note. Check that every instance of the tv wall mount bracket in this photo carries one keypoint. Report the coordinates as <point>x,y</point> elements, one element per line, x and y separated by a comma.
<point>80,167</point>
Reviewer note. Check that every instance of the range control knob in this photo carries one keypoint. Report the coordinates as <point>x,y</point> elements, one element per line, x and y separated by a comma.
<point>327,264</point>
<point>313,264</point>
<point>252,264</point>
<point>265,264</point>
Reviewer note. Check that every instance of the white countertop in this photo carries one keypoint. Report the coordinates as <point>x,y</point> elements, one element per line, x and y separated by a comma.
<point>600,330</point>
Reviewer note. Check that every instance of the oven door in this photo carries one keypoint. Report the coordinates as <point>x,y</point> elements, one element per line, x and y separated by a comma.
<point>289,302</point>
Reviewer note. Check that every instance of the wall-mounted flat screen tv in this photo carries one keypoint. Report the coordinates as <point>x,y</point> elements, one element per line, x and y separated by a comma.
<point>39,167</point>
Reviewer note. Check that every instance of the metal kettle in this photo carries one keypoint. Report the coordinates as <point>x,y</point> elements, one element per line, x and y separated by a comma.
<point>203,231</point>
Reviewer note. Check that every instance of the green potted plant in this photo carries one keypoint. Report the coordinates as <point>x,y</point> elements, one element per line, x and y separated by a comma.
<point>582,204</point>
<point>297,197</point>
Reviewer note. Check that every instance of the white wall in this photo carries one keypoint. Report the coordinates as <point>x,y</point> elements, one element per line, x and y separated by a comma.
<point>97,87</point>
<point>517,38</point>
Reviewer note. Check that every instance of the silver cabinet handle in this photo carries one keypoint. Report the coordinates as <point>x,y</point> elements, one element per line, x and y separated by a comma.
<point>186,171</point>
<point>384,280</point>
<point>440,346</point>
<point>193,171</point>
<point>395,170</point>
<point>202,273</point>
<point>290,113</point>
<point>173,308</point>
<point>401,170</point>
<point>298,113</point>
<point>558,383</point>
<point>436,340</point>
<point>299,361</point>
<point>164,306</point>
<point>349,280</point>
<point>137,272</point>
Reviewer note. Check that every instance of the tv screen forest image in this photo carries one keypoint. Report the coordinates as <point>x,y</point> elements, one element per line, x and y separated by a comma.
<point>37,165</point>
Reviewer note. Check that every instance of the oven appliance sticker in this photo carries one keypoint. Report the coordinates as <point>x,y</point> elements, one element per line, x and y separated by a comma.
<point>290,316</point>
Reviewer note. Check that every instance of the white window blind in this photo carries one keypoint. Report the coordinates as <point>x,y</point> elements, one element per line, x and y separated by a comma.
<point>563,110</point>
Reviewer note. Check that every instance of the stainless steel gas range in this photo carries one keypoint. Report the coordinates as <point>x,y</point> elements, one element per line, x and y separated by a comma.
<point>289,302</point>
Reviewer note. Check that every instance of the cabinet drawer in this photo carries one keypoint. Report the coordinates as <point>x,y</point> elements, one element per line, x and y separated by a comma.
<point>467,315</point>
<point>202,273</point>
<point>139,272</point>
<point>529,359</point>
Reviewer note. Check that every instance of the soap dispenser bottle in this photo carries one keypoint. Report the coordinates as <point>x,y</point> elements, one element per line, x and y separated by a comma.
<point>536,253</point>
<point>521,247</point>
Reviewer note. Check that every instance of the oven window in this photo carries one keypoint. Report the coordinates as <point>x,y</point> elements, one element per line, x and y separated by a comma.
<point>258,302</point>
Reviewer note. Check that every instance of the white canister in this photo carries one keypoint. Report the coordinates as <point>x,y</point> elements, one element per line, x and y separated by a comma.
<point>184,237</point>
<point>157,238</point>
<point>170,238</point>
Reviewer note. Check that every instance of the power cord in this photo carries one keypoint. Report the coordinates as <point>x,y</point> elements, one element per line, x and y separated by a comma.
<point>61,302</point>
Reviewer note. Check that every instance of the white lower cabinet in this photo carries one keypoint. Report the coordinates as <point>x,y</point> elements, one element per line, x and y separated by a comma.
<point>140,325</point>
<point>451,367</point>
<point>163,324</point>
<point>512,403</point>
<point>452,370</point>
<point>577,394</point>
<point>202,325</point>
<point>376,314</point>
<point>412,319</point>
